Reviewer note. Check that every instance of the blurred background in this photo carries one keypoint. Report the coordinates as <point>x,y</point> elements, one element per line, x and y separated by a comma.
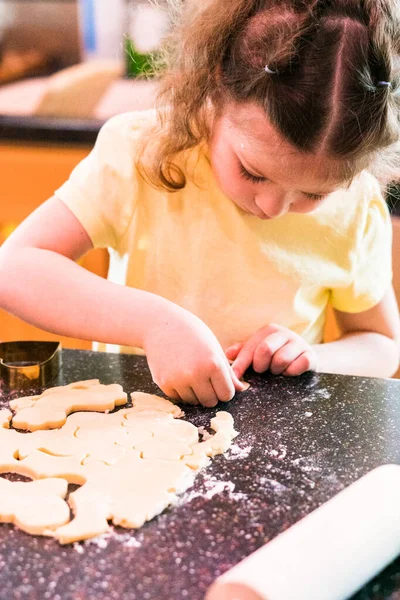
<point>66,66</point>
<point>52,51</point>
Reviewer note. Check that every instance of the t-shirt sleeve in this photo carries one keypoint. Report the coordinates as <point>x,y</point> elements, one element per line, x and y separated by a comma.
<point>372,272</point>
<point>102,190</point>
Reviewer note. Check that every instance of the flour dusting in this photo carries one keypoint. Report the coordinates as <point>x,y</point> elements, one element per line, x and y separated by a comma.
<point>272,483</point>
<point>237,452</point>
<point>101,541</point>
<point>212,487</point>
<point>280,453</point>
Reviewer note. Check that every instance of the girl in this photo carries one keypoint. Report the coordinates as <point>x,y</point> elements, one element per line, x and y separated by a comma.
<point>243,211</point>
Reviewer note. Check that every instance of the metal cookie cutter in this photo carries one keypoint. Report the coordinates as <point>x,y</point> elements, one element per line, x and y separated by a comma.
<point>26,365</point>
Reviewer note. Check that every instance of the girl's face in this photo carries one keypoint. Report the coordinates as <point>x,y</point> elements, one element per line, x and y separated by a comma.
<point>262,172</point>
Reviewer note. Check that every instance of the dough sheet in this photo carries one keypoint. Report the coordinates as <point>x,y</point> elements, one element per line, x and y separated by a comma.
<point>130,464</point>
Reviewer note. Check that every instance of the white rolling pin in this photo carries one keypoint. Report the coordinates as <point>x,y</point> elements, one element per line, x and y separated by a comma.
<point>329,554</point>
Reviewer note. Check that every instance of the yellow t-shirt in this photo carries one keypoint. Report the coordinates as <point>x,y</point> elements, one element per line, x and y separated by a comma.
<point>233,270</point>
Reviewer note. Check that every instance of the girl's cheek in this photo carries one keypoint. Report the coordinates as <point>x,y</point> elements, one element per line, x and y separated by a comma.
<point>228,178</point>
<point>235,187</point>
<point>235,183</point>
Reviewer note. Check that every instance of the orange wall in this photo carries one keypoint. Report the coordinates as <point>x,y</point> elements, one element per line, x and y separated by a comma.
<point>29,175</point>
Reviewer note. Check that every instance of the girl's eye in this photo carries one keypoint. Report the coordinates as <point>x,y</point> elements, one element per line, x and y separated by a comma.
<point>315,197</point>
<point>249,176</point>
<point>257,179</point>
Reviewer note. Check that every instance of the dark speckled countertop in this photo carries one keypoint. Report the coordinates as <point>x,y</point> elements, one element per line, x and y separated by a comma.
<point>301,441</point>
<point>49,130</point>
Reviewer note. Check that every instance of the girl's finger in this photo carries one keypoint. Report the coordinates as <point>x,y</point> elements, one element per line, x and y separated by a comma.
<point>240,386</point>
<point>232,352</point>
<point>243,360</point>
<point>188,396</point>
<point>266,349</point>
<point>286,355</point>
<point>223,384</point>
<point>305,362</point>
<point>262,356</point>
<point>173,394</point>
<point>205,393</point>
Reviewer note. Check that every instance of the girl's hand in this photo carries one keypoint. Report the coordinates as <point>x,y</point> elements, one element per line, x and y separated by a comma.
<point>273,348</point>
<point>186,360</point>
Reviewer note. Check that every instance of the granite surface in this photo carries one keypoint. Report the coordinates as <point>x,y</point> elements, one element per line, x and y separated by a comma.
<point>301,441</point>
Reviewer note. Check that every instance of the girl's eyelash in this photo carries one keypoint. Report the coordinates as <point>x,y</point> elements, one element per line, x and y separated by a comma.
<point>249,176</point>
<point>314,196</point>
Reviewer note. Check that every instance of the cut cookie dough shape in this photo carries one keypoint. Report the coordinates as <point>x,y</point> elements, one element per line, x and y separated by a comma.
<point>50,409</point>
<point>51,442</point>
<point>93,421</point>
<point>59,444</point>
<point>163,447</point>
<point>105,436</point>
<point>36,507</point>
<point>157,434</point>
<point>149,402</point>
<point>40,465</point>
<point>171,440</point>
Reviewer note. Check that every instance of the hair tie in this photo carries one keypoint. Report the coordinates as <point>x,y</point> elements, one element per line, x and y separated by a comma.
<point>268,70</point>
<point>384,84</point>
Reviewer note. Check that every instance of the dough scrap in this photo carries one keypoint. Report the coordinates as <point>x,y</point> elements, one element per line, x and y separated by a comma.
<point>50,409</point>
<point>130,464</point>
<point>5,418</point>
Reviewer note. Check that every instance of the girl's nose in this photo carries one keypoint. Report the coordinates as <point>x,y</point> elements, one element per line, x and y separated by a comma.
<point>274,202</point>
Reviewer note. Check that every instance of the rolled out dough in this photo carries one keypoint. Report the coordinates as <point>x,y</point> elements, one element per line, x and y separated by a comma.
<point>130,464</point>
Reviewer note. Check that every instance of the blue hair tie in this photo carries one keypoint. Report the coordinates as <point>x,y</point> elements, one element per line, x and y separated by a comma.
<point>384,84</point>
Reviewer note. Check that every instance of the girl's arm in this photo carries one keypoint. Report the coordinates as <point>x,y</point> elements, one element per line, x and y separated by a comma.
<point>369,342</point>
<point>41,283</point>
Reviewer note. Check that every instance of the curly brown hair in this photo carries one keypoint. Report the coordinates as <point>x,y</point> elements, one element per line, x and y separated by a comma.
<point>326,72</point>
